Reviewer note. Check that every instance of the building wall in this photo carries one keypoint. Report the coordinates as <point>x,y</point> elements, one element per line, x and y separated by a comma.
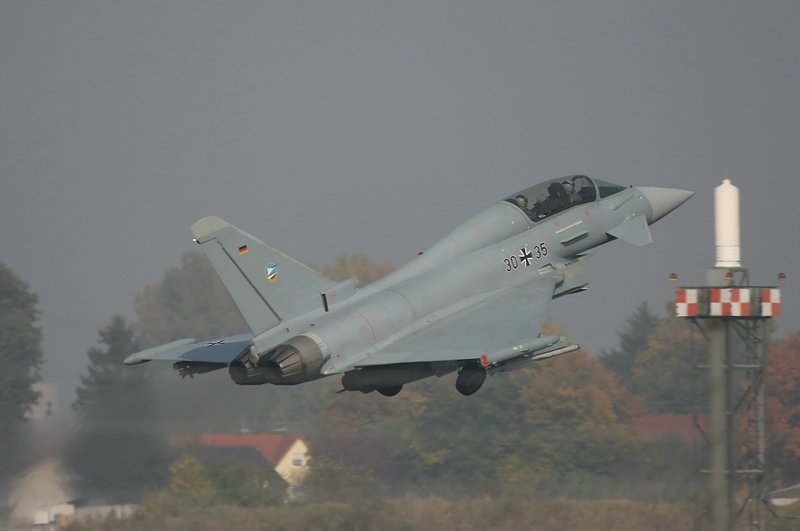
<point>293,466</point>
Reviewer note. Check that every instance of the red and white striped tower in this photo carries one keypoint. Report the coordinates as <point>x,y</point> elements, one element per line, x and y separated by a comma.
<point>729,310</point>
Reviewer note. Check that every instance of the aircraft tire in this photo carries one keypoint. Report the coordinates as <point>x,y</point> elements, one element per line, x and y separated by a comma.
<point>390,391</point>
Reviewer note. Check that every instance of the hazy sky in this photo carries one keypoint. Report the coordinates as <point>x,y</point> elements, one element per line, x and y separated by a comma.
<point>375,127</point>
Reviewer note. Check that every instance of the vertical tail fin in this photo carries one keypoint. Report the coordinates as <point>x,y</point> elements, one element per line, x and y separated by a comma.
<point>266,285</point>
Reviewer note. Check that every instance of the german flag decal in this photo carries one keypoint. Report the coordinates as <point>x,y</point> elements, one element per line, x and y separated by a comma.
<point>243,249</point>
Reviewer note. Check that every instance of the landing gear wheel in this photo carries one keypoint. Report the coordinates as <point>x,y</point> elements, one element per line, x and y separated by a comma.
<point>390,391</point>
<point>470,379</point>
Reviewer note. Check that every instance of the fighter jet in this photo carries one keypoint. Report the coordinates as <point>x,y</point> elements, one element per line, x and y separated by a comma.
<point>473,303</point>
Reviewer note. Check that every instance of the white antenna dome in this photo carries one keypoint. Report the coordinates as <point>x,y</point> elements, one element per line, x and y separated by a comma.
<point>726,223</point>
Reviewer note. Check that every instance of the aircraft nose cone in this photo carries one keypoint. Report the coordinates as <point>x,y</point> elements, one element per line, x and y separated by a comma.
<point>664,200</point>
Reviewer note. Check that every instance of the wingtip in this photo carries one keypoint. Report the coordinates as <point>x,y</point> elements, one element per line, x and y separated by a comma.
<point>146,355</point>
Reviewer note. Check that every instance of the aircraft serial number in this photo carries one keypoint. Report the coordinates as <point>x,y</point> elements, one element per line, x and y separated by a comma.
<point>525,257</point>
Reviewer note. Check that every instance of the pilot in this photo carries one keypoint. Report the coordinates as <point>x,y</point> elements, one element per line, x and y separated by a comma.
<point>569,190</point>
<point>521,201</point>
<point>558,196</point>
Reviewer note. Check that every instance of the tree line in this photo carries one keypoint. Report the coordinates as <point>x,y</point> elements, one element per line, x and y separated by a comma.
<point>564,428</point>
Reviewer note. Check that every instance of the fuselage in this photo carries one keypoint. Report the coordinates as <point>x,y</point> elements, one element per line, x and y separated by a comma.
<point>510,243</point>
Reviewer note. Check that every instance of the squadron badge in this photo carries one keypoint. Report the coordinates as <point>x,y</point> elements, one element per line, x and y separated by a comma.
<point>271,271</point>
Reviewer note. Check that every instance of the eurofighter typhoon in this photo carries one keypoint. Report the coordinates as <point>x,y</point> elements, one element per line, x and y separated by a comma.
<point>474,303</point>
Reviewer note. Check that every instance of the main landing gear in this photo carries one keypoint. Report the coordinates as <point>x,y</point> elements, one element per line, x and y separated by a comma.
<point>470,379</point>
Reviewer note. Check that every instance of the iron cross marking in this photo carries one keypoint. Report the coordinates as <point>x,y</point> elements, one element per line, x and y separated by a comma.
<point>218,342</point>
<point>526,256</point>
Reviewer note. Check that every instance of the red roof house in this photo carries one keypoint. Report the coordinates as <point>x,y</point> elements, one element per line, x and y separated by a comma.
<point>287,453</point>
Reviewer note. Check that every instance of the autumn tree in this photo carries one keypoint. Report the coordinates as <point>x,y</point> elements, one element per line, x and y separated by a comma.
<point>666,373</point>
<point>116,453</point>
<point>191,301</point>
<point>189,487</point>
<point>632,342</point>
<point>562,422</point>
<point>20,363</point>
<point>339,480</point>
<point>195,483</point>
<point>523,430</point>
<point>783,406</point>
<point>190,483</point>
<point>246,485</point>
<point>20,352</point>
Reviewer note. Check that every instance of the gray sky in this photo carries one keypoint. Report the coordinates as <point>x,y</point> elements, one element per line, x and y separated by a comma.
<point>375,127</point>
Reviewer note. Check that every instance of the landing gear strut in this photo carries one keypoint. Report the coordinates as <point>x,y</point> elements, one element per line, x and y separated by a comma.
<point>470,379</point>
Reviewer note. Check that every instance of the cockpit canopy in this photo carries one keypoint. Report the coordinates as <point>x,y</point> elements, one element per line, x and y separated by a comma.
<point>550,197</point>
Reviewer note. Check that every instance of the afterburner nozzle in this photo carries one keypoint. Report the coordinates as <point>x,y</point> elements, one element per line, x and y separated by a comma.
<point>664,200</point>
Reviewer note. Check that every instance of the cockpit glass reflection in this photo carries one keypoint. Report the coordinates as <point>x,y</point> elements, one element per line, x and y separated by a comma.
<point>548,198</point>
<point>607,189</point>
